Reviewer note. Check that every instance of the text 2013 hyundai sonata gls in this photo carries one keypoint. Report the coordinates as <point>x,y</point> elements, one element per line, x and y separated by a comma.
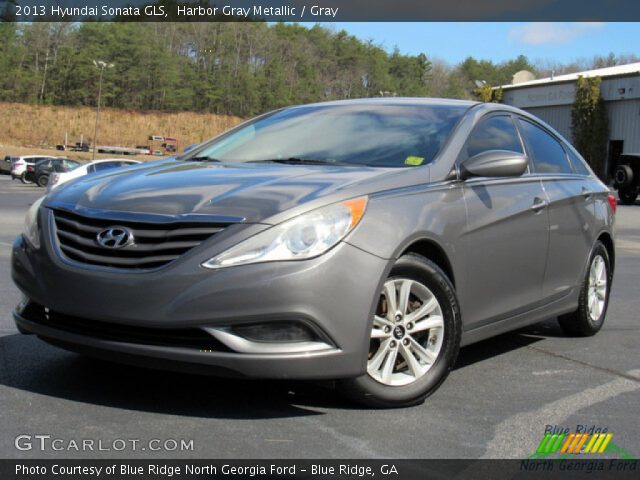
<point>363,240</point>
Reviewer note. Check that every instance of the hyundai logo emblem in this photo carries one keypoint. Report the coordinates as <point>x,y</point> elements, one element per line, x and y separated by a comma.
<point>398,332</point>
<point>115,237</point>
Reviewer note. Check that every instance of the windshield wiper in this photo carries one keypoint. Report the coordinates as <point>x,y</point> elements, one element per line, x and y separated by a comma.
<point>302,161</point>
<point>202,159</point>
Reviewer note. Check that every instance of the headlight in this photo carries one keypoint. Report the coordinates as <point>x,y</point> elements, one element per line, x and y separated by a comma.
<point>302,237</point>
<point>31,231</point>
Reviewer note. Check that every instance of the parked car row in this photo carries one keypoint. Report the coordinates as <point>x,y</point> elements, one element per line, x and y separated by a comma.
<point>18,166</point>
<point>40,172</point>
<point>58,178</point>
<point>50,172</point>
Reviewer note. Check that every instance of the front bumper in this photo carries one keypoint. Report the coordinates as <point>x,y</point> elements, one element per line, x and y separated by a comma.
<point>334,294</point>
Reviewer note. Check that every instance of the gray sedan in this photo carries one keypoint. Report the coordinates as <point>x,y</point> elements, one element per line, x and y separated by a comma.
<point>364,241</point>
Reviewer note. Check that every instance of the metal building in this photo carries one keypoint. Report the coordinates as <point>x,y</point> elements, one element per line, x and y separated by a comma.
<point>551,99</point>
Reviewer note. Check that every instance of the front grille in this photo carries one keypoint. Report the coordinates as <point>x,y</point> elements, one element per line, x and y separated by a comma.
<point>155,245</point>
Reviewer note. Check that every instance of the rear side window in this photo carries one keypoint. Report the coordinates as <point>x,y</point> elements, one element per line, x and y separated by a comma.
<point>70,165</point>
<point>494,133</point>
<point>548,155</point>
<point>106,165</point>
<point>58,166</point>
<point>579,164</point>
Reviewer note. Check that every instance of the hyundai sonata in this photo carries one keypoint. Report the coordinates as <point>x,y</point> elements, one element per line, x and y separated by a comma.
<point>363,241</point>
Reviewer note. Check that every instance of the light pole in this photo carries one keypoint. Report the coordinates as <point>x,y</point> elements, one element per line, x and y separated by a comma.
<point>99,64</point>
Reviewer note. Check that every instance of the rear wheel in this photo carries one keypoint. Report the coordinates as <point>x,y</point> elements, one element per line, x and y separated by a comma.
<point>623,176</point>
<point>627,196</point>
<point>43,180</point>
<point>24,178</point>
<point>414,337</point>
<point>588,319</point>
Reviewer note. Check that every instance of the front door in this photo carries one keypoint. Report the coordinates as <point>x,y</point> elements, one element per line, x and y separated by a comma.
<point>507,232</point>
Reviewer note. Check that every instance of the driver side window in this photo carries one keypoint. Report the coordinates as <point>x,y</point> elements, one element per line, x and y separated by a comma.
<point>494,133</point>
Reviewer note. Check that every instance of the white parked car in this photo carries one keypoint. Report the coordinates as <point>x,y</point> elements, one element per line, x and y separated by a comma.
<point>58,179</point>
<point>19,165</point>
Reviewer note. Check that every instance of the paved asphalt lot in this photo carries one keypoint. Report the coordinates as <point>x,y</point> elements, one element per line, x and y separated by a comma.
<point>495,404</point>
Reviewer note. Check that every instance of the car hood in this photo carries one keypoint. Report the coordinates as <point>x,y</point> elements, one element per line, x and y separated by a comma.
<point>250,192</point>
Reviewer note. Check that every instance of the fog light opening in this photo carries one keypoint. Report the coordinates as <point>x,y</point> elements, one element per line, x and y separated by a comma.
<point>276,332</point>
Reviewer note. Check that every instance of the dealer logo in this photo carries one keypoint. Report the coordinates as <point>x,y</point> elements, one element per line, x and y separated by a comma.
<point>567,443</point>
<point>115,237</point>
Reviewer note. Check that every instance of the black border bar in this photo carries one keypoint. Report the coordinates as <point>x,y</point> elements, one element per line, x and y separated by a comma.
<point>319,10</point>
<point>160,469</point>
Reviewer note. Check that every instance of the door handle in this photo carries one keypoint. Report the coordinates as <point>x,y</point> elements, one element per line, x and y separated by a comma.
<point>539,204</point>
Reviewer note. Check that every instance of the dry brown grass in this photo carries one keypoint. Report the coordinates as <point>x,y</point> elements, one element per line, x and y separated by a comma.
<point>44,126</point>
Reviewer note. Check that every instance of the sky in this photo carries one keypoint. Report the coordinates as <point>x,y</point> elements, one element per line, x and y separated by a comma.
<point>453,42</point>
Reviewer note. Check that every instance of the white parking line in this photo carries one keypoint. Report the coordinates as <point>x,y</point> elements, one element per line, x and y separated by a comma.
<point>519,435</point>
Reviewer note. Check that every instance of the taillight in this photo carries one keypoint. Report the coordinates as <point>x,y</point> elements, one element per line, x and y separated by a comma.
<point>30,168</point>
<point>613,202</point>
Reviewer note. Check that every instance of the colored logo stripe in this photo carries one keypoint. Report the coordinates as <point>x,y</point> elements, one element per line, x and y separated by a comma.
<point>574,443</point>
<point>578,447</point>
<point>551,443</point>
<point>598,443</point>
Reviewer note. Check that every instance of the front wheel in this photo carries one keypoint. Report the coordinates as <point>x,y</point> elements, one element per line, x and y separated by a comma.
<point>588,319</point>
<point>43,180</point>
<point>414,337</point>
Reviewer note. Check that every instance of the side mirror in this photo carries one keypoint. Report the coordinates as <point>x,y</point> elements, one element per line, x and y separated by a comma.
<point>494,163</point>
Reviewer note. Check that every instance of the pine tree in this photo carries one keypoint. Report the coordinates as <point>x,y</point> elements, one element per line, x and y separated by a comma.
<point>590,123</point>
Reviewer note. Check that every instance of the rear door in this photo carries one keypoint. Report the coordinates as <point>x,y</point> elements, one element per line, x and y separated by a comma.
<point>507,234</point>
<point>571,208</point>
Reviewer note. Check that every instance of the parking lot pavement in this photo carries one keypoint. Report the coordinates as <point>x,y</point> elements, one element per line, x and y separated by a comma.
<point>495,403</point>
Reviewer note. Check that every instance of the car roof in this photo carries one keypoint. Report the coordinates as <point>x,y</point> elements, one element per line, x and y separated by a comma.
<point>103,160</point>
<point>410,101</point>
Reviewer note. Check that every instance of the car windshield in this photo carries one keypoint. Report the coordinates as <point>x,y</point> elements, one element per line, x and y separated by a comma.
<point>359,134</point>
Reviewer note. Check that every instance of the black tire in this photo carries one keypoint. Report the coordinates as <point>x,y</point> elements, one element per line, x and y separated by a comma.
<point>24,179</point>
<point>580,323</point>
<point>368,391</point>
<point>627,196</point>
<point>623,176</point>
<point>43,180</point>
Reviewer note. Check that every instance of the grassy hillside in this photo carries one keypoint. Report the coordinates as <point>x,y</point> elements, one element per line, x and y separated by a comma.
<point>45,126</point>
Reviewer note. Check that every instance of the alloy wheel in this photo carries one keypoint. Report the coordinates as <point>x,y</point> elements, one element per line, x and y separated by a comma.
<point>407,333</point>
<point>597,294</point>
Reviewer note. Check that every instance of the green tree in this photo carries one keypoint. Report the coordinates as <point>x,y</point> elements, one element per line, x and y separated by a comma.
<point>487,93</point>
<point>590,124</point>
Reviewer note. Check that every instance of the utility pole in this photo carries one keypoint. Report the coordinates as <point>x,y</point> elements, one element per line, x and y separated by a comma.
<point>101,65</point>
